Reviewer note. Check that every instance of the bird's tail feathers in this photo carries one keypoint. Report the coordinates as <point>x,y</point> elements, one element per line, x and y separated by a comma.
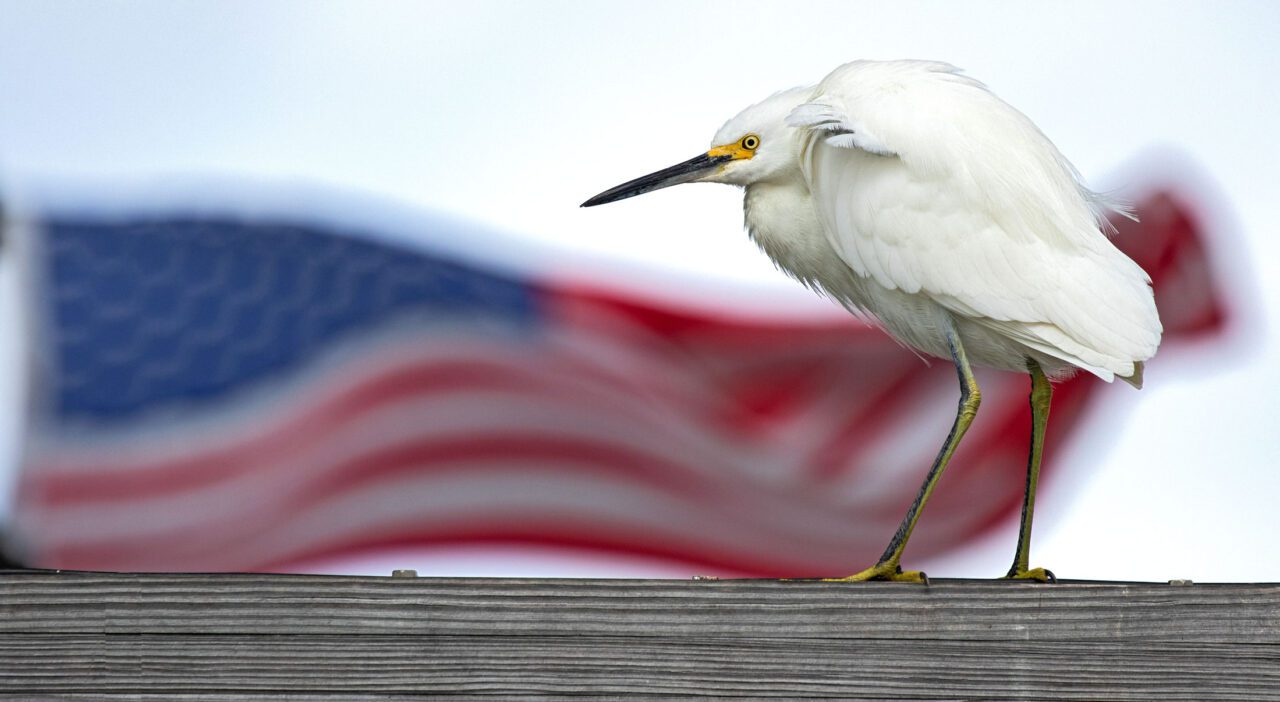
<point>1051,341</point>
<point>1134,378</point>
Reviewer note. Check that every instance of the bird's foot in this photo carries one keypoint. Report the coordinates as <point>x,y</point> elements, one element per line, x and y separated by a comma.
<point>1038,574</point>
<point>885,570</point>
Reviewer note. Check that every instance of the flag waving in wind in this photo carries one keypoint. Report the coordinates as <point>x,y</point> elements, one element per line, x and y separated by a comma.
<point>221,389</point>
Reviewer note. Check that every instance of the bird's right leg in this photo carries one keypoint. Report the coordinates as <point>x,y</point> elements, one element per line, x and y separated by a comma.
<point>888,567</point>
<point>1041,394</point>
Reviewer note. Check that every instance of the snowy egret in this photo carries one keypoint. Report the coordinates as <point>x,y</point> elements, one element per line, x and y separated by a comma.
<point>909,192</point>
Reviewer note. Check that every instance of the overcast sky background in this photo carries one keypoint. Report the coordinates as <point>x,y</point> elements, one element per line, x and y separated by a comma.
<point>513,113</point>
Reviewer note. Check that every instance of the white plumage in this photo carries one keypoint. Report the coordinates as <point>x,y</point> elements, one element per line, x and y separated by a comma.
<point>927,185</point>
<point>911,193</point>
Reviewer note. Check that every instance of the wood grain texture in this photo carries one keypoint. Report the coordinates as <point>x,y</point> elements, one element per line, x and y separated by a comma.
<point>255,637</point>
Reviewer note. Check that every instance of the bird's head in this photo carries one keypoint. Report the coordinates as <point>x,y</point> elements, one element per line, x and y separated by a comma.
<point>754,146</point>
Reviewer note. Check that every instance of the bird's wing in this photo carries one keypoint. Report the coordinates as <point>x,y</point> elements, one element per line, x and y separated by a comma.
<point>842,129</point>
<point>925,181</point>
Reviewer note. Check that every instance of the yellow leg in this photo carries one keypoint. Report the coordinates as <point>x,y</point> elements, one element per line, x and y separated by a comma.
<point>888,567</point>
<point>1041,394</point>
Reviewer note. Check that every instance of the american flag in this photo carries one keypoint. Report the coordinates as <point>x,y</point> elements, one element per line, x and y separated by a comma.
<point>225,390</point>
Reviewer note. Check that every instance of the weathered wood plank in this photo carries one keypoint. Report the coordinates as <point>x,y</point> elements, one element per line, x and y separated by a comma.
<point>227,637</point>
<point>617,665</point>
<point>965,610</point>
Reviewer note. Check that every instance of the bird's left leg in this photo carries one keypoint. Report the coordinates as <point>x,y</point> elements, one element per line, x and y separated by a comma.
<point>888,567</point>
<point>1041,394</point>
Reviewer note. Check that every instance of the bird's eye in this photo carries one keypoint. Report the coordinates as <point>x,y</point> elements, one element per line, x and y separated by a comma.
<point>750,141</point>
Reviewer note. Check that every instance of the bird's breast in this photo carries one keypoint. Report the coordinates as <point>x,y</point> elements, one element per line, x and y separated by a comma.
<point>783,221</point>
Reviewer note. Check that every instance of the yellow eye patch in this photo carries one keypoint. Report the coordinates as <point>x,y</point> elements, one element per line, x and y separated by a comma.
<point>740,149</point>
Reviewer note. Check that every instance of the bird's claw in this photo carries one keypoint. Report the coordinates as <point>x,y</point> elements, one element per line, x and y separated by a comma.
<point>889,571</point>
<point>1038,574</point>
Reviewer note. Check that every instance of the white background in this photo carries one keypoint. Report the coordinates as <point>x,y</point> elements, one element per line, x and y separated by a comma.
<point>513,113</point>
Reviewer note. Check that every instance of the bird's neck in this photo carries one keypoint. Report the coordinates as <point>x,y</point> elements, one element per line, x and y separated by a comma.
<point>780,218</point>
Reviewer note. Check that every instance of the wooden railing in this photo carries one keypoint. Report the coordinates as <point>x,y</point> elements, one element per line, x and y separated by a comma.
<point>76,635</point>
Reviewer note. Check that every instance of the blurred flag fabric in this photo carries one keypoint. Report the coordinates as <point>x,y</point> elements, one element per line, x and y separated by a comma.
<point>228,390</point>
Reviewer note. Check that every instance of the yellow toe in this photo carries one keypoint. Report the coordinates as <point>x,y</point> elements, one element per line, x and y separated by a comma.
<point>889,571</point>
<point>1038,574</point>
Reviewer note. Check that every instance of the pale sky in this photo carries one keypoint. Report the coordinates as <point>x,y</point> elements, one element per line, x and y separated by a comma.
<point>512,113</point>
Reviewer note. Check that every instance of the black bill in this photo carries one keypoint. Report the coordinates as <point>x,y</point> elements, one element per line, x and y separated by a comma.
<point>686,172</point>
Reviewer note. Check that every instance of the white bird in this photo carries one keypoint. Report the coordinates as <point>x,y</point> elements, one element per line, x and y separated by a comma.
<point>909,192</point>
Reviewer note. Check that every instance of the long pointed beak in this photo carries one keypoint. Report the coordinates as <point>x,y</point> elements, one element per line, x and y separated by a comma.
<point>686,172</point>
